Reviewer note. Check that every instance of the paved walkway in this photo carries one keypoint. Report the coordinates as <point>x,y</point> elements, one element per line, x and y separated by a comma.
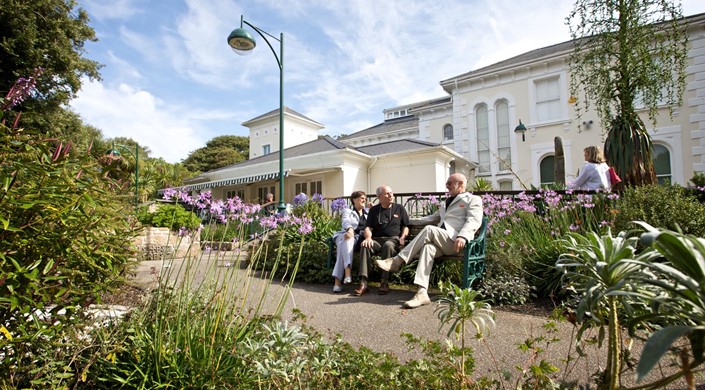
<point>377,322</point>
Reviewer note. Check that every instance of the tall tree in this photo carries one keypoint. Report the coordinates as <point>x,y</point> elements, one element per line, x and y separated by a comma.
<point>46,34</point>
<point>219,152</point>
<point>627,50</point>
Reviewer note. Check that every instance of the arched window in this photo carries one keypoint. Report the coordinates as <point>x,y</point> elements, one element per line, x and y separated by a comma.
<point>504,152</point>
<point>483,138</point>
<point>662,164</point>
<point>548,175</point>
<point>447,132</point>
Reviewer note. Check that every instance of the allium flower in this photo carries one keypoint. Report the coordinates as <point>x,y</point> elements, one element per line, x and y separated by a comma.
<point>183,231</point>
<point>573,227</point>
<point>300,199</point>
<point>338,204</point>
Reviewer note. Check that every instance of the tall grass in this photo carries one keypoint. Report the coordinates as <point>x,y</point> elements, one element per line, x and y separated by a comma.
<point>203,308</point>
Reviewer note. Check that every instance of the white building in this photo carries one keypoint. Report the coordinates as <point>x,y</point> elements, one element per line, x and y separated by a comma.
<point>471,130</point>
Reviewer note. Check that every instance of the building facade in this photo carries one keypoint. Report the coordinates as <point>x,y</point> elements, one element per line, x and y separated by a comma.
<point>471,130</point>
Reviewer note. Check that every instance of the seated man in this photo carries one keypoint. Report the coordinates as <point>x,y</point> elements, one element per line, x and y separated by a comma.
<point>458,220</point>
<point>385,231</point>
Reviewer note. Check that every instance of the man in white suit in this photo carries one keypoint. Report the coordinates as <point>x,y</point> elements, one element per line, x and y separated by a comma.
<point>457,221</point>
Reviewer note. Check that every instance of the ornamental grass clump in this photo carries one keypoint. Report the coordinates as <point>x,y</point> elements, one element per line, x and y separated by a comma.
<point>203,309</point>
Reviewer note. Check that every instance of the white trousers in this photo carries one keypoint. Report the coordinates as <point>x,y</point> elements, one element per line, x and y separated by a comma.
<point>344,255</point>
<point>431,242</point>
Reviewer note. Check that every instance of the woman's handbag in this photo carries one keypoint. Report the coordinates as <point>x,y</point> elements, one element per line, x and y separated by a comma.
<point>614,177</point>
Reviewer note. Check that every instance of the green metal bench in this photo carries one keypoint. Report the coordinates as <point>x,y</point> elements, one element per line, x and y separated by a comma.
<point>473,257</point>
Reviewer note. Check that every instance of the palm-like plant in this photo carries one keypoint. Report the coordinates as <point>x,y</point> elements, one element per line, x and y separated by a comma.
<point>599,268</point>
<point>682,278</point>
<point>458,306</point>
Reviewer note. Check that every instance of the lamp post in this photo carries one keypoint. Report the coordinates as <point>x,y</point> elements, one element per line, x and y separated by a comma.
<point>115,152</point>
<point>242,43</point>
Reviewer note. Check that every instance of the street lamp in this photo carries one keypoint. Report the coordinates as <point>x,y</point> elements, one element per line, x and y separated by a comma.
<point>115,152</point>
<point>242,43</point>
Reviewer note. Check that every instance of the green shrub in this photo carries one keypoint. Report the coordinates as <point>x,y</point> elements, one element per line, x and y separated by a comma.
<point>172,216</point>
<point>287,241</point>
<point>698,188</point>
<point>64,241</point>
<point>501,288</point>
<point>663,206</point>
<point>219,232</point>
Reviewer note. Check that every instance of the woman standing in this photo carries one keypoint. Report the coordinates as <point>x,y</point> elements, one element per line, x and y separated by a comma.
<point>593,176</point>
<point>346,240</point>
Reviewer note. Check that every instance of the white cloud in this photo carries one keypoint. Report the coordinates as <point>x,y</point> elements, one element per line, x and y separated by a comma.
<point>110,9</point>
<point>125,111</point>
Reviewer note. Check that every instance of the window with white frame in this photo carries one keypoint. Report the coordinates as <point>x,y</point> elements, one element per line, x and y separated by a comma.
<point>263,191</point>
<point>266,149</point>
<point>483,138</point>
<point>309,188</point>
<point>662,164</point>
<point>548,99</point>
<point>547,168</point>
<point>301,188</point>
<point>237,193</point>
<point>504,151</point>
<point>505,185</point>
<point>447,132</point>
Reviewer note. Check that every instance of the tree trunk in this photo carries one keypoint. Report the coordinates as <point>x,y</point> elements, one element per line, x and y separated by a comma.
<point>559,163</point>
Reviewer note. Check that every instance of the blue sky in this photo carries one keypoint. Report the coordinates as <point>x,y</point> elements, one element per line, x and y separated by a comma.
<point>171,82</point>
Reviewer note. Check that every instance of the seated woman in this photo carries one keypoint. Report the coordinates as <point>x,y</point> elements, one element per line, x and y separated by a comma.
<point>594,174</point>
<point>346,240</point>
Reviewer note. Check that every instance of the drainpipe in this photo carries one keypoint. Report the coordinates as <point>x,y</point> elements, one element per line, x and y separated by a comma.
<point>369,173</point>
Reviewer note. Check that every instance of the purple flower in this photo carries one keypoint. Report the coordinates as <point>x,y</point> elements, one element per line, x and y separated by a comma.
<point>300,199</point>
<point>23,88</point>
<point>306,227</point>
<point>317,198</point>
<point>338,204</point>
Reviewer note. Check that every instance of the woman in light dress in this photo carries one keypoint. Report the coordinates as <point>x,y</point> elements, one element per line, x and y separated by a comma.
<point>346,239</point>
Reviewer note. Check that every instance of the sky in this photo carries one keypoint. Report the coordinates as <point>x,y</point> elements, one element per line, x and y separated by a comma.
<point>170,81</point>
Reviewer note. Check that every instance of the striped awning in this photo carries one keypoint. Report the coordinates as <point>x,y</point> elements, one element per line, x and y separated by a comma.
<point>236,181</point>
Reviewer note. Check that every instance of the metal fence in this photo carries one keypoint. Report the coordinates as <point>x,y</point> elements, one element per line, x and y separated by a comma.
<point>420,204</point>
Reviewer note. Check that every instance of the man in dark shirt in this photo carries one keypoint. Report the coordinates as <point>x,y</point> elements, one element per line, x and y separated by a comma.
<point>385,231</point>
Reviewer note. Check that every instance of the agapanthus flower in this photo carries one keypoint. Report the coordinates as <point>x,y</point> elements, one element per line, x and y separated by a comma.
<point>300,199</point>
<point>338,204</point>
<point>317,198</point>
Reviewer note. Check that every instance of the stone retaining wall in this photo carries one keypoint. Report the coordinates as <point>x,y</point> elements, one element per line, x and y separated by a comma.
<point>163,244</point>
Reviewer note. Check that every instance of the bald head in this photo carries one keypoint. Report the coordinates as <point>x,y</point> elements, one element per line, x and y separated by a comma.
<point>456,183</point>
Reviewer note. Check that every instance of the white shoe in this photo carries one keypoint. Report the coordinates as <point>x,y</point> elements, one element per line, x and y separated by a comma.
<point>420,299</point>
<point>347,280</point>
<point>337,289</point>
<point>392,264</point>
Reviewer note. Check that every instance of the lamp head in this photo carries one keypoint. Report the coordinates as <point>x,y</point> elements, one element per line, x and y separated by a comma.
<point>112,152</point>
<point>241,41</point>
<point>521,129</point>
